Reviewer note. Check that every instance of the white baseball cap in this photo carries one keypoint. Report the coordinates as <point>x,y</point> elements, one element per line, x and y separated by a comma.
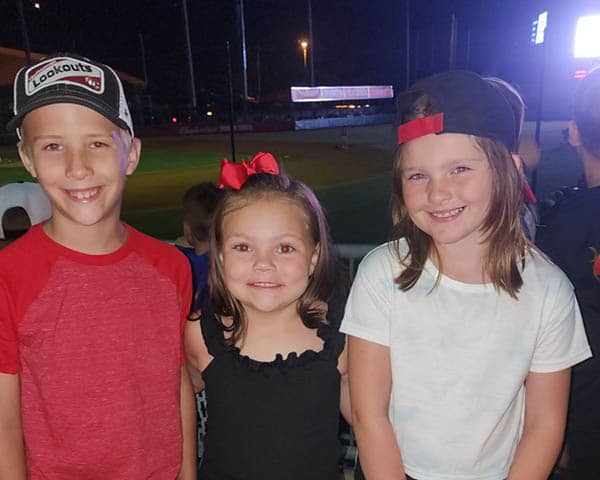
<point>27,195</point>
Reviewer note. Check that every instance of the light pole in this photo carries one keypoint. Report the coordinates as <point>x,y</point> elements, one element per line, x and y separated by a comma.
<point>189,53</point>
<point>24,31</point>
<point>304,47</point>
<point>312,45</point>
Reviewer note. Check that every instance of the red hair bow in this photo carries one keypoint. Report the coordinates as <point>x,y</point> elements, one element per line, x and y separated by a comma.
<point>234,175</point>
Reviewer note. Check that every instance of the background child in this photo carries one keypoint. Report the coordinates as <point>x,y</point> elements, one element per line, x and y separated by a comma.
<point>450,320</point>
<point>91,310</point>
<point>22,204</point>
<point>526,153</point>
<point>198,206</point>
<point>272,360</point>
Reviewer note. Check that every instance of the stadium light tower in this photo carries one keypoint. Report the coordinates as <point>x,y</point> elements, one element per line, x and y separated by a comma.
<point>587,37</point>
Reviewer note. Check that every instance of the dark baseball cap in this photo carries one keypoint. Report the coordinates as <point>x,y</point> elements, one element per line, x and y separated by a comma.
<point>460,102</point>
<point>69,78</point>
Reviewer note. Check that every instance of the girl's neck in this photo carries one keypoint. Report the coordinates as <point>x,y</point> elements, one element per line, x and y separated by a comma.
<point>459,263</point>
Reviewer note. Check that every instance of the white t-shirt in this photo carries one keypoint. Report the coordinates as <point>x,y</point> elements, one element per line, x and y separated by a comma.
<point>459,356</point>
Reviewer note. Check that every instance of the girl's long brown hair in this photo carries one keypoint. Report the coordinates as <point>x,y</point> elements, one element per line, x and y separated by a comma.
<point>502,226</point>
<point>321,284</point>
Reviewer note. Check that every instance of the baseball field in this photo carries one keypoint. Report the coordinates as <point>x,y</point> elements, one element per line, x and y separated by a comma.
<point>348,169</point>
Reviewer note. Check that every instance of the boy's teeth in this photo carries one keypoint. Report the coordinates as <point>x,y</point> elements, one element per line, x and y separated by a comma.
<point>85,195</point>
<point>449,213</point>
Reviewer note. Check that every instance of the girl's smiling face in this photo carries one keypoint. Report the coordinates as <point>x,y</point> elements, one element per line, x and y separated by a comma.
<point>447,188</point>
<point>267,256</point>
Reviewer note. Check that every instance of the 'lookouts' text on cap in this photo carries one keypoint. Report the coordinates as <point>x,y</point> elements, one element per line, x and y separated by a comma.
<point>68,78</point>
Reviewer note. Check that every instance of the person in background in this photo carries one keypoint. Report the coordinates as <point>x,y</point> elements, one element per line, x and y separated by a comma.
<point>22,204</point>
<point>198,205</point>
<point>526,154</point>
<point>569,233</point>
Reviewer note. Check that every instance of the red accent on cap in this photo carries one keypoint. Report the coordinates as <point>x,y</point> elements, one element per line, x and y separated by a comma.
<point>420,127</point>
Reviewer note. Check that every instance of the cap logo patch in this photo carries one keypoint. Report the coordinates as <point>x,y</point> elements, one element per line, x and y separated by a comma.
<point>421,126</point>
<point>66,71</point>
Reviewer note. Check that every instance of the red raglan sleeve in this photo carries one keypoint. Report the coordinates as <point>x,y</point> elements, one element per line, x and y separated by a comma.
<point>185,299</point>
<point>9,345</point>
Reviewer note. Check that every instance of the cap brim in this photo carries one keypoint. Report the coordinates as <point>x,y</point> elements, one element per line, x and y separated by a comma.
<point>63,97</point>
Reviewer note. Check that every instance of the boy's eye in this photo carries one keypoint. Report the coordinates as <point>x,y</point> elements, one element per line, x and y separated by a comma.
<point>284,248</point>
<point>241,247</point>
<point>51,147</point>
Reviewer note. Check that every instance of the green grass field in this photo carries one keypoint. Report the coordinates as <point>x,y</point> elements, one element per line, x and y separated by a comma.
<point>348,169</point>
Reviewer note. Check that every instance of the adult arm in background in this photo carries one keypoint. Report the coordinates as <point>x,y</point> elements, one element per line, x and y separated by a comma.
<point>12,459</point>
<point>546,401</point>
<point>189,467</point>
<point>370,389</point>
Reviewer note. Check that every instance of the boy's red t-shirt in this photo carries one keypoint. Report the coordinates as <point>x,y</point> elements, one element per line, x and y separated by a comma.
<point>97,342</point>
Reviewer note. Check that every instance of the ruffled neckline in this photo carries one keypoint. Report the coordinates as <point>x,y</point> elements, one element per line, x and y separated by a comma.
<point>333,344</point>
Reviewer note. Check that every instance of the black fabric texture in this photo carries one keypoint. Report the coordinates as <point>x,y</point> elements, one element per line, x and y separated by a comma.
<point>272,420</point>
<point>569,233</point>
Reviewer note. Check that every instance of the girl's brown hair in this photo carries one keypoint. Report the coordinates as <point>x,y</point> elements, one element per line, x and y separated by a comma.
<point>502,225</point>
<point>321,283</point>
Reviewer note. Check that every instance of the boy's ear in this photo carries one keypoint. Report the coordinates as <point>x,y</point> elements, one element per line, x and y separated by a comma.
<point>26,159</point>
<point>574,137</point>
<point>133,157</point>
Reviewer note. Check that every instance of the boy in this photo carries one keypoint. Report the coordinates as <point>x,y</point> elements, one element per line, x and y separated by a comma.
<point>92,383</point>
<point>569,234</point>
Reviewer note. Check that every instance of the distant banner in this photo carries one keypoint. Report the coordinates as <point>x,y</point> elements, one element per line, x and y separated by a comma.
<point>336,94</point>
<point>351,121</point>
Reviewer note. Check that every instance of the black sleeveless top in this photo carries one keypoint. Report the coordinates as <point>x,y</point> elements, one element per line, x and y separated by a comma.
<point>271,420</point>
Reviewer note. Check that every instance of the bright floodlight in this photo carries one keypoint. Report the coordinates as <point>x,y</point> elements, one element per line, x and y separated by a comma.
<point>541,28</point>
<point>587,37</point>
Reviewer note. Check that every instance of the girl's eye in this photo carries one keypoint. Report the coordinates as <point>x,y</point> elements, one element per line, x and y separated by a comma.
<point>98,144</point>
<point>286,249</point>
<point>460,169</point>
<point>416,176</point>
<point>241,247</point>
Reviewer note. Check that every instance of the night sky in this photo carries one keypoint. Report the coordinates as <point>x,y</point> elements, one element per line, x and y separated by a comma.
<point>356,41</point>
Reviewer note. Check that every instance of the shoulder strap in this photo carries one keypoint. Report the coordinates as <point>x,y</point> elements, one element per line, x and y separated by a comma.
<point>212,331</point>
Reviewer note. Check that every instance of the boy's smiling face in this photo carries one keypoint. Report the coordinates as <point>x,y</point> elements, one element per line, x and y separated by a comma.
<point>81,160</point>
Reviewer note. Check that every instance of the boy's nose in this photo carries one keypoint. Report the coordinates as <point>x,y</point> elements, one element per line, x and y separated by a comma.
<point>77,166</point>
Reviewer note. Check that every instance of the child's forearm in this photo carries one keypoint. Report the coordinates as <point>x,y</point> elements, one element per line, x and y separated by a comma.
<point>378,450</point>
<point>188,425</point>
<point>546,400</point>
<point>536,454</point>
<point>12,459</point>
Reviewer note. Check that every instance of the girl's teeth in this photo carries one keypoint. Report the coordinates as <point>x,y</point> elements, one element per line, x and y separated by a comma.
<point>450,213</point>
